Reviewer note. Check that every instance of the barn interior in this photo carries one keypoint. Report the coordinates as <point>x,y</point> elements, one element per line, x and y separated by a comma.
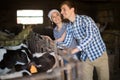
<point>104,12</point>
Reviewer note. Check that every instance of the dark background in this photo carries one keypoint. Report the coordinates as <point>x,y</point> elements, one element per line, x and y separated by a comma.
<point>102,11</point>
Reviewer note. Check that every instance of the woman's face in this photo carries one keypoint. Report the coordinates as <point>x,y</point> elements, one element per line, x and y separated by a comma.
<point>56,17</point>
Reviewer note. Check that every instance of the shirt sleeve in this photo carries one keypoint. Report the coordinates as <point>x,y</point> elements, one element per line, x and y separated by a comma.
<point>67,41</point>
<point>88,22</point>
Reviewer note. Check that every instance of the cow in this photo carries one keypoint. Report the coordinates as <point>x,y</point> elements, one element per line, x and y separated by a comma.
<point>45,62</point>
<point>20,58</point>
<point>17,57</point>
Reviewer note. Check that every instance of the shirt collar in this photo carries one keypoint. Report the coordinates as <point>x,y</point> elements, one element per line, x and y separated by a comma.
<point>76,16</point>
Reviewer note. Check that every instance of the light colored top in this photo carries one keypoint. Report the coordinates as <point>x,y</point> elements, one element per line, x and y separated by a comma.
<point>57,34</point>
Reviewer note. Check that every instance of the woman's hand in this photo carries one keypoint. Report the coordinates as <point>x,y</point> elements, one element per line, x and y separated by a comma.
<point>75,50</point>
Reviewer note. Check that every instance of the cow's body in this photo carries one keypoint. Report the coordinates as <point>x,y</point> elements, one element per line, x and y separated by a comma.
<point>20,58</point>
<point>9,59</point>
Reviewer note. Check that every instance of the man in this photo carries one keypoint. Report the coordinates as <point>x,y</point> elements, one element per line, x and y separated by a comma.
<point>93,49</point>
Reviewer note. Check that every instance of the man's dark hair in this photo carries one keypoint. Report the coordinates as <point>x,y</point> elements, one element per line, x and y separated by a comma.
<point>70,4</point>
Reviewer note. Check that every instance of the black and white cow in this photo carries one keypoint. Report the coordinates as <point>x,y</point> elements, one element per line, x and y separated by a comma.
<point>45,62</point>
<point>14,57</point>
<point>20,58</point>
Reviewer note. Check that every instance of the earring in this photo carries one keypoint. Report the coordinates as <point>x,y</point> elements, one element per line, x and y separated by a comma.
<point>52,23</point>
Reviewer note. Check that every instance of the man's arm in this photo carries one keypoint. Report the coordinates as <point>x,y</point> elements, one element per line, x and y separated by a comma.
<point>88,22</point>
<point>67,41</point>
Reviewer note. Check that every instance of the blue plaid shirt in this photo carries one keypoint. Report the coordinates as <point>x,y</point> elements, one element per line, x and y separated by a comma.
<point>88,37</point>
<point>57,34</point>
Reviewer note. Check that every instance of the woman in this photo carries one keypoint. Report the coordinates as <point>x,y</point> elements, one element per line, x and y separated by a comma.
<point>59,31</point>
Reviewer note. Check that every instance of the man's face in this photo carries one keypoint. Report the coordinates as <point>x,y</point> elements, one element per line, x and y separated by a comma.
<point>66,11</point>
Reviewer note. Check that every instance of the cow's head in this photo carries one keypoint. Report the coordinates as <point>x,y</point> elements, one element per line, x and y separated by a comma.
<point>44,61</point>
<point>23,59</point>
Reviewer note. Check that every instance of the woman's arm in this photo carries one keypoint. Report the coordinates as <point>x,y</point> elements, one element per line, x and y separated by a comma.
<point>61,39</point>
